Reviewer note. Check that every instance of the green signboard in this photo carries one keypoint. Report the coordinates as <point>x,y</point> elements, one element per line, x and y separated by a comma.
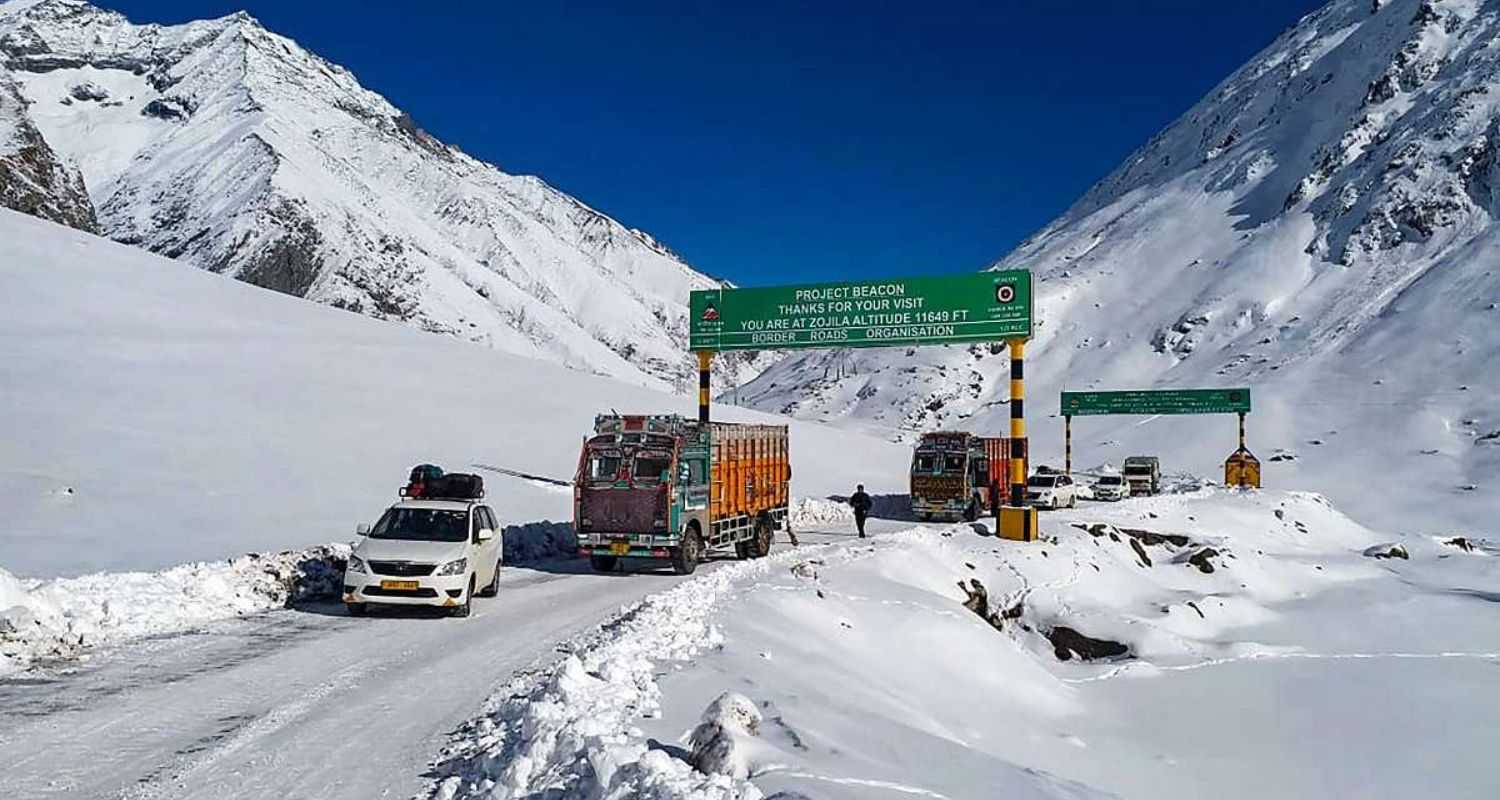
<point>975,307</point>
<point>1163,401</point>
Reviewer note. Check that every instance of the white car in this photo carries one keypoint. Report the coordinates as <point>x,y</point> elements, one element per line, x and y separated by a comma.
<point>1111,487</point>
<point>1051,491</point>
<point>426,553</point>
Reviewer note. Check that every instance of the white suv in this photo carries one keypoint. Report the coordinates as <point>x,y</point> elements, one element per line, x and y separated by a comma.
<point>426,553</point>
<point>1051,490</point>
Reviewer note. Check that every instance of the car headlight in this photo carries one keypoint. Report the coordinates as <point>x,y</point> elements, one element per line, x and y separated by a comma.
<point>454,567</point>
<point>356,564</point>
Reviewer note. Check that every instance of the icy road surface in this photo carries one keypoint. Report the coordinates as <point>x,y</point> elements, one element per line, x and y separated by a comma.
<point>306,703</point>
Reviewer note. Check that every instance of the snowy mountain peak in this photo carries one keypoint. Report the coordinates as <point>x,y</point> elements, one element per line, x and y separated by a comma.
<point>229,146</point>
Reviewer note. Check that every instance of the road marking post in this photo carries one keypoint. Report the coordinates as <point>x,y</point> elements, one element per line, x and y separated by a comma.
<point>705,362</point>
<point>1016,520</point>
<point>1068,445</point>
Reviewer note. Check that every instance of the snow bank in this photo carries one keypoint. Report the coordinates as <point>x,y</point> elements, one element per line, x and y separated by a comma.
<point>874,676</point>
<point>571,729</point>
<point>66,617</point>
<point>807,511</point>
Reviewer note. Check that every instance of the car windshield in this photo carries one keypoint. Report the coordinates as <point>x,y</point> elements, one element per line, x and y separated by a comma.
<point>422,525</point>
<point>1042,481</point>
<point>651,468</point>
<point>1111,480</point>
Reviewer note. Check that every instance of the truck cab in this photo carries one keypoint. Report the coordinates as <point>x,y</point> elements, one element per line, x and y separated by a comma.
<point>1143,474</point>
<point>664,487</point>
<point>957,475</point>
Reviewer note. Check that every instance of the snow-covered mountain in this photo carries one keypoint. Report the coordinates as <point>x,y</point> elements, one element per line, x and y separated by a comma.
<point>33,179</point>
<point>225,145</point>
<point>1320,227</point>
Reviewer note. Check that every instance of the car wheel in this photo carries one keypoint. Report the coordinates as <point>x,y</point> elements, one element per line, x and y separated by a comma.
<point>494,585</point>
<point>468,607</point>
<point>357,609</point>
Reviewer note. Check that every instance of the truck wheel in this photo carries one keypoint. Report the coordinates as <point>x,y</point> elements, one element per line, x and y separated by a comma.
<point>685,558</point>
<point>468,607</point>
<point>972,512</point>
<point>760,546</point>
<point>357,609</point>
<point>604,563</point>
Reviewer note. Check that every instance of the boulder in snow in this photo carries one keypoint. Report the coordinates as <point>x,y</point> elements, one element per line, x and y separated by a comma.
<point>718,741</point>
<point>1387,550</point>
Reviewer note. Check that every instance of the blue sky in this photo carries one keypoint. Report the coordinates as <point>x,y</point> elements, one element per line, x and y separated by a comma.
<point>771,142</point>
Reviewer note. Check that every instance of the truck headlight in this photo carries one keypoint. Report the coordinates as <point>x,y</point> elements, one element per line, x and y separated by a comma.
<point>454,567</point>
<point>356,564</point>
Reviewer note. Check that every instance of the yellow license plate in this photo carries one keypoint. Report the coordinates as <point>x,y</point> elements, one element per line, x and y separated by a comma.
<point>399,586</point>
<point>619,548</point>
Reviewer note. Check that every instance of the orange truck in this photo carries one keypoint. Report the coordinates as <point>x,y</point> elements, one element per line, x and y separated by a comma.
<point>957,475</point>
<point>666,487</point>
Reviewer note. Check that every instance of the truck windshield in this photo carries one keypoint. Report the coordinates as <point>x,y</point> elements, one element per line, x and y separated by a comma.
<point>926,462</point>
<point>953,462</point>
<point>652,468</point>
<point>603,467</point>
<point>422,525</point>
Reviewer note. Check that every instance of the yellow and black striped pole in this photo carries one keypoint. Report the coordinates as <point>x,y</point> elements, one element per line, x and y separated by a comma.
<point>705,360</point>
<point>1017,422</point>
<point>1242,430</point>
<point>1068,445</point>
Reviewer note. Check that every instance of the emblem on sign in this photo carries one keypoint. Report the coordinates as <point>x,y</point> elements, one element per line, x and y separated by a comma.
<point>710,314</point>
<point>1005,293</point>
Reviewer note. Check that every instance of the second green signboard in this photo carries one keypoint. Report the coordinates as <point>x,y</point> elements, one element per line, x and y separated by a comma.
<point>977,307</point>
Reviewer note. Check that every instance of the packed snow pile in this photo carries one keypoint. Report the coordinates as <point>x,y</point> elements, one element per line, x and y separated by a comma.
<point>573,729</point>
<point>66,617</point>
<point>943,663</point>
<point>806,511</point>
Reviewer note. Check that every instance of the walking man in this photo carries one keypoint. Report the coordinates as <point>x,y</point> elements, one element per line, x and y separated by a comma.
<point>861,503</point>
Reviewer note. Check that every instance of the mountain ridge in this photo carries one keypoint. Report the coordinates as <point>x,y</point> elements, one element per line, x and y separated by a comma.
<point>226,145</point>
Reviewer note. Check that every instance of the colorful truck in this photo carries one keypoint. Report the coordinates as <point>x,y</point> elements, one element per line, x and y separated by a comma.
<point>666,487</point>
<point>957,475</point>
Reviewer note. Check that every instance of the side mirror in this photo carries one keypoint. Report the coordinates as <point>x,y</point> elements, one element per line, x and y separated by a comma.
<point>362,529</point>
<point>486,534</point>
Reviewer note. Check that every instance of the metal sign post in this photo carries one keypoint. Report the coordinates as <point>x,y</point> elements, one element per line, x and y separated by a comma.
<point>954,309</point>
<point>1241,469</point>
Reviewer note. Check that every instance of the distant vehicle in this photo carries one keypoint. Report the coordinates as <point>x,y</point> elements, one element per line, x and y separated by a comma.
<point>668,487</point>
<point>432,550</point>
<point>1111,487</point>
<point>956,475</point>
<point>1051,491</point>
<point>1143,474</point>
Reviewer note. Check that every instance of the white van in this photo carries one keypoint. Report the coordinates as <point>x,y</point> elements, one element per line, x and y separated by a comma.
<point>426,553</point>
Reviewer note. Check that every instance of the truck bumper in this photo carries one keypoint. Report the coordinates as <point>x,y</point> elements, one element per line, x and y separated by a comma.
<point>627,545</point>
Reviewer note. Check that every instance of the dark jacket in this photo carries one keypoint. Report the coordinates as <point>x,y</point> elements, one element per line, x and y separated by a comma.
<point>861,503</point>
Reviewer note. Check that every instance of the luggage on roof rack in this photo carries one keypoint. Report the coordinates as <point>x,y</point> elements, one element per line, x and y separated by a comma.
<point>455,486</point>
<point>422,477</point>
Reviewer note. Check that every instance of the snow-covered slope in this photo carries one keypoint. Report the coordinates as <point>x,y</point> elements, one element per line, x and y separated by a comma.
<point>232,148</point>
<point>1319,227</point>
<point>152,413</point>
<point>32,177</point>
